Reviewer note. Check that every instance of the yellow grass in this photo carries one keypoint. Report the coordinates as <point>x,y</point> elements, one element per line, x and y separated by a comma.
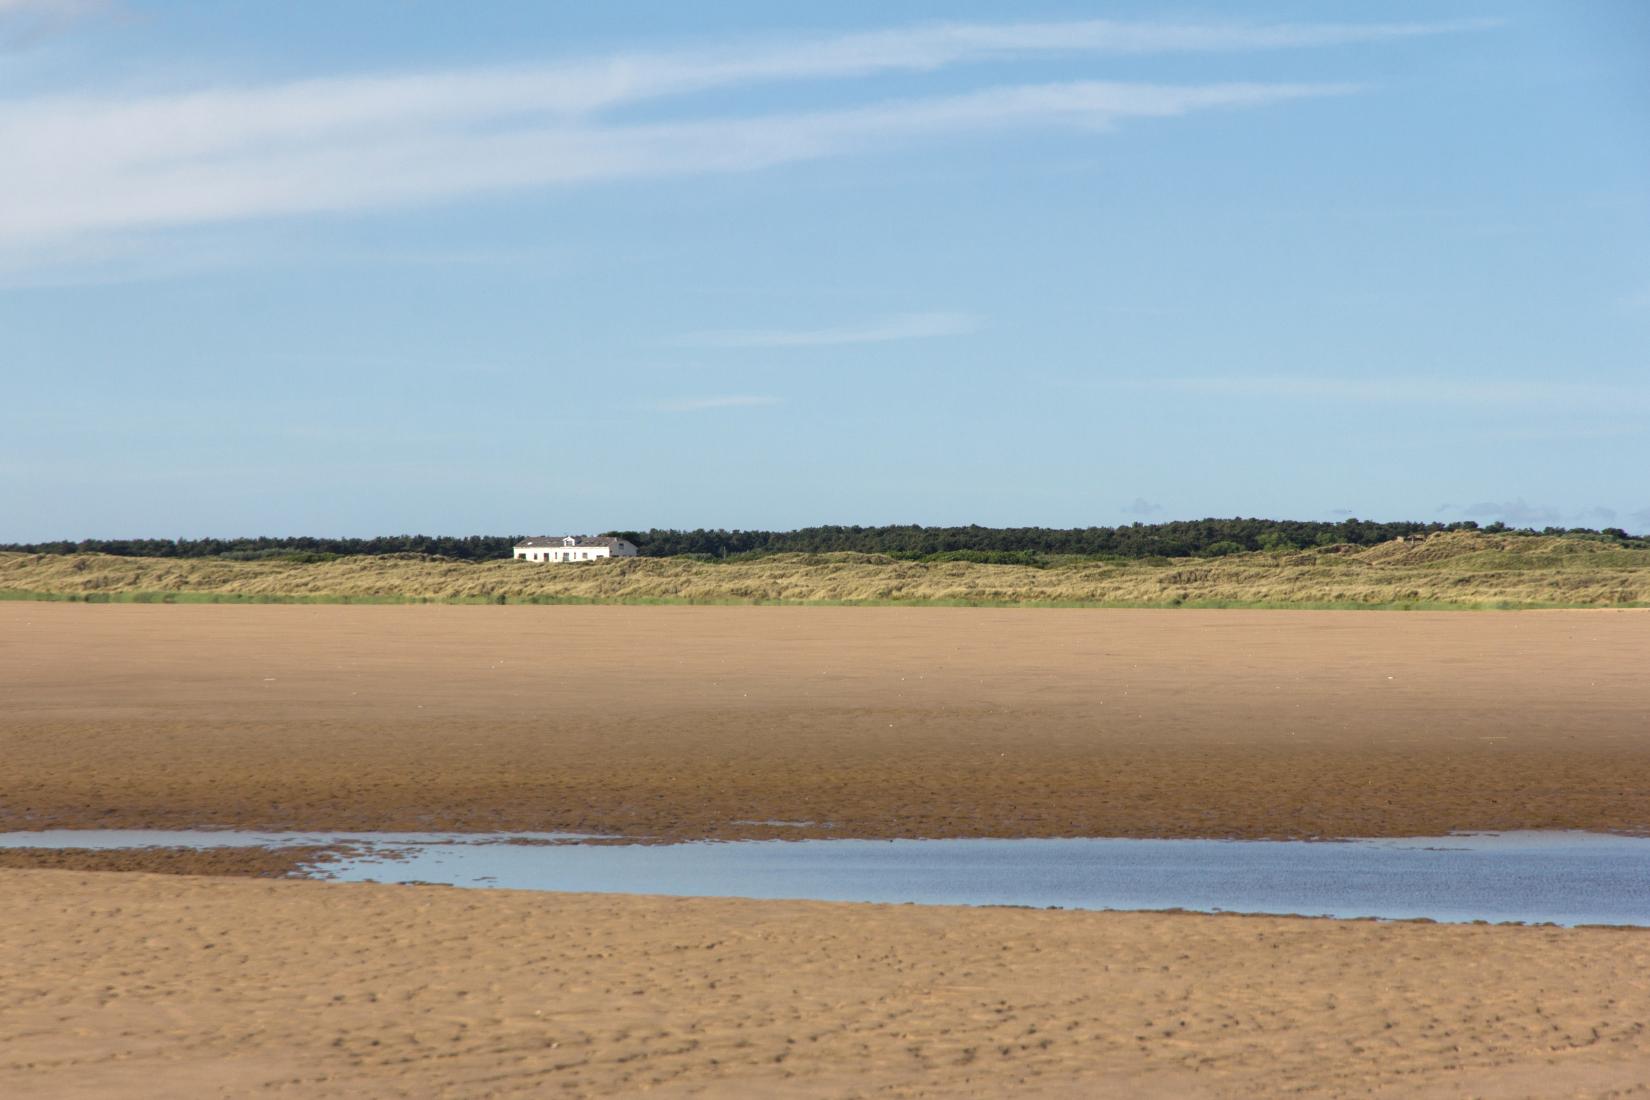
<point>1457,569</point>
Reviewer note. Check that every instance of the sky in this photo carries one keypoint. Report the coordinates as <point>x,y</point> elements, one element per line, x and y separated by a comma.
<point>380,267</point>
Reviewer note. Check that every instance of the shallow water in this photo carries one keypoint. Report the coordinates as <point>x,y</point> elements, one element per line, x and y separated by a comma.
<point>1561,877</point>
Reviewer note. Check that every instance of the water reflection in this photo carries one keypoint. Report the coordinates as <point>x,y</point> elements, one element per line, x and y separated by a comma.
<point>1562,877</point>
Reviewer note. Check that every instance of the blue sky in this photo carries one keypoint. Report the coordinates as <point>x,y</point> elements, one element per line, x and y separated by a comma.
<point>385,267</point>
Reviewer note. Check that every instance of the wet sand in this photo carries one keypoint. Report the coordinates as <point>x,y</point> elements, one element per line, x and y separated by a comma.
<point>683,722</point>
<point>161,986</point>
<point>250,862</point>
<point>680,722</point>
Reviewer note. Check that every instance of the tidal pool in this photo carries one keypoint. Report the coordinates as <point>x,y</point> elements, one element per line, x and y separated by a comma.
<point>1559,877</point>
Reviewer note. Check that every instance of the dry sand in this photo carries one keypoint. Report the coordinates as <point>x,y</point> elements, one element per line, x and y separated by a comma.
<point>130,986</point>
<point>689,721</point>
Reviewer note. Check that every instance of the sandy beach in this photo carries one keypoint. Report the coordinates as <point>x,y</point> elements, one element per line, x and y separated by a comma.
<point>687,722</point>
<point>221,979</point>
<point>131,985</point>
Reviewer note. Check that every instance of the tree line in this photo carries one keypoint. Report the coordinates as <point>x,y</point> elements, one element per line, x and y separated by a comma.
<point>1021,545</point>
<point>1176,539</point>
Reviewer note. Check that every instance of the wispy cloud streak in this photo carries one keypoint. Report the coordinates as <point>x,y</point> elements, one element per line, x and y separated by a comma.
<point>587,86</point>
<point>906,326</point>
<point>22,22</point>
<point>78,166</point>
<point>705,404</point>
<point>81,175</point>
<point>1405,390</point>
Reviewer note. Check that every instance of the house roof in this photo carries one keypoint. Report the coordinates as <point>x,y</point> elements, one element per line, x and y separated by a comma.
<point>578,540</point>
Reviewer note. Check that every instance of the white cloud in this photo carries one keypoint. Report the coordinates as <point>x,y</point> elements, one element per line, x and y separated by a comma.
<point>90,166</point>
<point>49,11</point>
<point>1140,506</point>
<point>1519,513</point>
<point>98,169</point>
<point>586,86</point>
<point>1516,513</point>
<point>905,326</point>
<point>24,21</point>
<point>1566,433</point>
<point>1412,390</point>
<point>1599,515</point>
<point>703,404</point>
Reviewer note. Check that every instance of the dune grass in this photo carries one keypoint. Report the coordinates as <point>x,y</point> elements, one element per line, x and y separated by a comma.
<point>1455,570</point>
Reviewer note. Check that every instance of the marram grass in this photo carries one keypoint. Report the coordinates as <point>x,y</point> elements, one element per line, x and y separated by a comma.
<point>1456,570</point>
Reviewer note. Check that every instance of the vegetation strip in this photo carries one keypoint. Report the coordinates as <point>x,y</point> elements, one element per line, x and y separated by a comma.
<point>1443,571</point>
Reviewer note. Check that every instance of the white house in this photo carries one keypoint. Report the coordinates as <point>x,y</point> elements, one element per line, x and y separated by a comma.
<point>573,548</point>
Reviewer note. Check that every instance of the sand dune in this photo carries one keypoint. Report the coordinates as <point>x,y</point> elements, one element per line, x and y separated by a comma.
<point>160,986</point>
